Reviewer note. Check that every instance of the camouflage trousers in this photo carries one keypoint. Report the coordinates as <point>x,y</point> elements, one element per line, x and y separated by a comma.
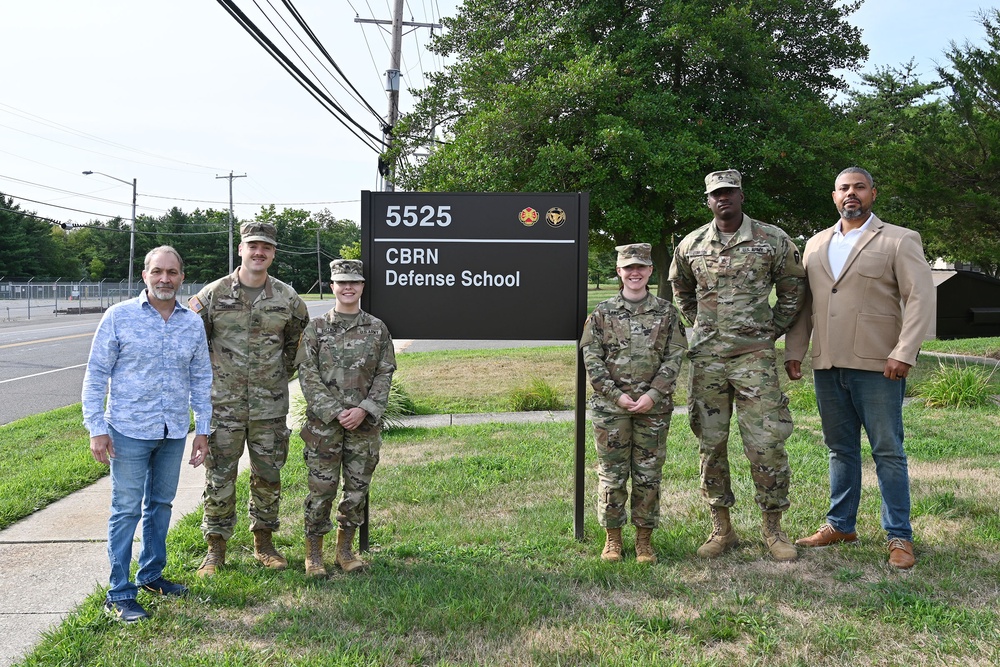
<point>267,440</point>
<point>331,451</point>
<point>630,446</point>
<point>751,381</point>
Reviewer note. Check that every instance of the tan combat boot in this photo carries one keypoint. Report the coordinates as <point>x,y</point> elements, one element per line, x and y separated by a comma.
<point>216,556</point>
<point>345,558</point>
<point>612,545</point>
<point>264,551</point>
<point>643,548</point>
<point>723,537</point>
<point>779,544</point>
<point>314,556</point>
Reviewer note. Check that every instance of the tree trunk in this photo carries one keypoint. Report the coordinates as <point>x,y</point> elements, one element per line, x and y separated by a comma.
<point>661,261</point>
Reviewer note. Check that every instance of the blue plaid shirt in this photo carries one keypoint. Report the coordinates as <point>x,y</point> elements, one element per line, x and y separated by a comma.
<point>157,370</point>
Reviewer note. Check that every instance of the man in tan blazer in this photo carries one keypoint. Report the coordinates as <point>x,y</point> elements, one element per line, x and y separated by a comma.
<point>871,302</point>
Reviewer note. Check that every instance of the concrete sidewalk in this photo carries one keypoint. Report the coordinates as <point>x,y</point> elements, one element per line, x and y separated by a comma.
<point>69,537</point>
<point>52,560</point>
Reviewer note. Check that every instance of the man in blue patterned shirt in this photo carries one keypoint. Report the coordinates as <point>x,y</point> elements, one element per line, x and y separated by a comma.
<point>154,352</point>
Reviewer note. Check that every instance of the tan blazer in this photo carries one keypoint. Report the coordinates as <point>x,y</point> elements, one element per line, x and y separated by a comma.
<point>882,305</point>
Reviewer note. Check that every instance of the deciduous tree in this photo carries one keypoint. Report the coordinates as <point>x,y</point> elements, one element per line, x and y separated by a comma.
<point>635,101</point>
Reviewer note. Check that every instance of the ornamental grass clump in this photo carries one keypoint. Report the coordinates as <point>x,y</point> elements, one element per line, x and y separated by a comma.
<point>958,386</point>
<point>538,395</point>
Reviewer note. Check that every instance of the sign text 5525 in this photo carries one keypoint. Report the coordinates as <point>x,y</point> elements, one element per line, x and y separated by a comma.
<point>418,216</point>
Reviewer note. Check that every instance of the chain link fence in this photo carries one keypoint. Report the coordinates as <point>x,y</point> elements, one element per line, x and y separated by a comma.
<point>23,300</point>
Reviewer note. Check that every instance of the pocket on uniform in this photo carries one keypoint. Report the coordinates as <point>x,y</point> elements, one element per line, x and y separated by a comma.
<point>309,435</point>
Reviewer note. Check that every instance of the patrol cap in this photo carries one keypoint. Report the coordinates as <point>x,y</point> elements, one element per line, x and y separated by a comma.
<point>634,253</point>
<point>728,178</point>
<point>346,270</point>
<point>258,231</point>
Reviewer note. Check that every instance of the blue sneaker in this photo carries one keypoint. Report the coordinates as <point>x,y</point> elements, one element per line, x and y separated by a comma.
<point>164,586</point>
<point>126,611</point>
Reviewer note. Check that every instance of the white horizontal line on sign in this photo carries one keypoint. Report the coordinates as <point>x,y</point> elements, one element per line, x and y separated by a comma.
<point>474,241</point>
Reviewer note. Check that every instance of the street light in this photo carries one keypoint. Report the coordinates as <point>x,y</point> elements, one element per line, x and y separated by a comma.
<point>131,241</point>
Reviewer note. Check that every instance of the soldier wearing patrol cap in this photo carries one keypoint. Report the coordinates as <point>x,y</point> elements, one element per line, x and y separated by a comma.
<point>722,275</point>
<point>254,323</point>
<point>632,347</point>
<point>345,362</point>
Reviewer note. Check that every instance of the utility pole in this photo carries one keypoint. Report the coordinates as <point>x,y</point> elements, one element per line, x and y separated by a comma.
<point>392,75</point>
<point>231,177</point>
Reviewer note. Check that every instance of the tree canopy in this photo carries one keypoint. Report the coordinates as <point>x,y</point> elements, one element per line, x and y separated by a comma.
<point>34,247</point>
<point>935,148</point>
<point>635,101</point>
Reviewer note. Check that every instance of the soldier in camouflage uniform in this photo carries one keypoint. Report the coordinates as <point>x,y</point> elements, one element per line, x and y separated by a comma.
<point>346,362</point>
<point>722,275</point>
<point>254,323</point>
<point>632,346</point>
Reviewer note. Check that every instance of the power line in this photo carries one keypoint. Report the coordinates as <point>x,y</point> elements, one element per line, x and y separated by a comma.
<point>338,112</point>
<point>312,36</point>
<point>171,198</point>
<point>102,228</point>
<point>69,130</point>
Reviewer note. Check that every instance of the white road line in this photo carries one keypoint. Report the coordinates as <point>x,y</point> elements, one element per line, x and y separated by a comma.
<point>34,375</point>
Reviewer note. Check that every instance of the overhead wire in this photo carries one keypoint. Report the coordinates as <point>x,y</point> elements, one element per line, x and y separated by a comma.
<point>336,110</point>
<point>69,130</point>
<point>302,23</point>
<point>301,41</point>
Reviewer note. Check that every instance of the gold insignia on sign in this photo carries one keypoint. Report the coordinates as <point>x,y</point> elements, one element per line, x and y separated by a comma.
<point>528,216</point>
<point>555,216</point>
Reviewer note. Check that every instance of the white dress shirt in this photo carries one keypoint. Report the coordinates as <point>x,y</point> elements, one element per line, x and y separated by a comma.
<point>841,245</point>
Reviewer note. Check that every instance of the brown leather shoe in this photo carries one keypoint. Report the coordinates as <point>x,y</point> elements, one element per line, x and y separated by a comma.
<point>901,553</point>
<point>825,536</point>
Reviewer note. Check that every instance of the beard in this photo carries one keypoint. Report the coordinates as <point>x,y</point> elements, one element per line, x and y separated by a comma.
<point>852,213</point>
<point>163,293</point>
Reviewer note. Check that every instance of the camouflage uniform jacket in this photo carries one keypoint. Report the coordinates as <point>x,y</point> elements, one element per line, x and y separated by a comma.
<point>253,346</point>
<point>635,349</point>
<point>341,368</point>
<point>724,289</point>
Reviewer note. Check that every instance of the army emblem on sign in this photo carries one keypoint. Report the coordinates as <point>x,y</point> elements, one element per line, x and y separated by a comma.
<point>555,217</point>
<point>528,216</point>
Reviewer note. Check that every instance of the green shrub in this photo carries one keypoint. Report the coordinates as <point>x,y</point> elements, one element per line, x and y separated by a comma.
<point>957,386</point>
<point>538,395</point>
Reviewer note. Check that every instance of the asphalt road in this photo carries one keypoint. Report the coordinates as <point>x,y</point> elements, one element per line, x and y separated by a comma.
<point>42,360</point>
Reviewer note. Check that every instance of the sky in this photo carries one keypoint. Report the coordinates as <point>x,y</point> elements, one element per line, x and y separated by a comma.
<point>176,95</point>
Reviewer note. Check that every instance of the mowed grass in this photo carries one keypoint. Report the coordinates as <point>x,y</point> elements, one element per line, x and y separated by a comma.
<point>976,347</point>
<point>42,459</point>
<point>474,562</point>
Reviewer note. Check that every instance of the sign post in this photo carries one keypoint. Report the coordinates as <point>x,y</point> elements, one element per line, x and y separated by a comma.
<point>481,266</point>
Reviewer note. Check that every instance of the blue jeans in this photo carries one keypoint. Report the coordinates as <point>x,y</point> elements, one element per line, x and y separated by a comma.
<point>848,400</point>
<point>144,476</point>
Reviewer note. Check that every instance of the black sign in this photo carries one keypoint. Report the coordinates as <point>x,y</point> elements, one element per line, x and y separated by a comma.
<point>475,265</point>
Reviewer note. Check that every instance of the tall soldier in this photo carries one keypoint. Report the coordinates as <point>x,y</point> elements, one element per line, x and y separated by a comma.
<point>254,323</point>
<point>722,275</point>
<point>346,362</point>
<point>632,346</point>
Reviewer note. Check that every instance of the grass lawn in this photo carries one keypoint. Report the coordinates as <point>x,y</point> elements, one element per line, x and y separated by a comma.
<point>474,562</point>
<point>42,459</point>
